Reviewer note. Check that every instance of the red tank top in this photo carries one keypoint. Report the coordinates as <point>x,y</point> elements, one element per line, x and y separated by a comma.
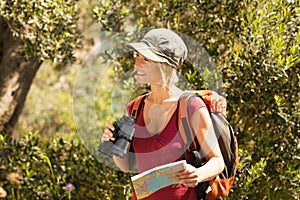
<point>165,147</point>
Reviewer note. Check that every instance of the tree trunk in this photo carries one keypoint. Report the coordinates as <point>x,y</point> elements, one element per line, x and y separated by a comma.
<point>16,76</point>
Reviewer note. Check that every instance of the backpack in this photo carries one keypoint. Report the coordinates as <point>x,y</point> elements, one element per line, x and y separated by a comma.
<point>219,187</point>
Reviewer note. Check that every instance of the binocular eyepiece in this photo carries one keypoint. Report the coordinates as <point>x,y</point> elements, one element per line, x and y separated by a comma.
<point>123,134</point>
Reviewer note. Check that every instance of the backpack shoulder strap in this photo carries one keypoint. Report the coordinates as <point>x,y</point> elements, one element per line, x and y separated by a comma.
<point>191,143</point>
<point>137,106</point>
<point>185,129</point>
<point>135,110</point>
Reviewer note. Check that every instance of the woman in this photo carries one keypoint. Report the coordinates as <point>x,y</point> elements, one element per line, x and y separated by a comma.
<point>156,140</point>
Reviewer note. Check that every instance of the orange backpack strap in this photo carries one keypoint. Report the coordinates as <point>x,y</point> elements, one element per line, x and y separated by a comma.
<point>135,110</point>
<point>186,131</point>
<point>191,143</point>
<point>137,106</point>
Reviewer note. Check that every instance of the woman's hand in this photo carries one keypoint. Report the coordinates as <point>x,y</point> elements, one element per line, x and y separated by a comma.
<point>107,134</point>
<point>189,177</point>
<point>122,163</point>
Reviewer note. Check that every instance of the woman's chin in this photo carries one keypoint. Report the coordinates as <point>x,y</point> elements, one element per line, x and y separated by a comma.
<point>141,80</point>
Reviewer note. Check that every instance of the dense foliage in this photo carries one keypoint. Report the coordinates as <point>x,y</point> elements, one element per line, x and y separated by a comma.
<point>35,169</point>
<point>254,45</point>
<point>262,74</point>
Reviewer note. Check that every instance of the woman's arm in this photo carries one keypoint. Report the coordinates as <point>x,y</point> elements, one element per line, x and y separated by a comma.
<point>203,127</point>
<point>202,124</point>
<point>122,163</point>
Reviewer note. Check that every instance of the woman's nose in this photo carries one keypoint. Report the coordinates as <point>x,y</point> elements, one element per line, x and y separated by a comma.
<point>137,62</point>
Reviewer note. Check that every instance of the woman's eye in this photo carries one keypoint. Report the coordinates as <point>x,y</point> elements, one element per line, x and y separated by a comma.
<point>141,56</point>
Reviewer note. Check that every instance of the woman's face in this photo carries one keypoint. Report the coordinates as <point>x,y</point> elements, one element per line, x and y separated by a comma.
<point>147,71</point>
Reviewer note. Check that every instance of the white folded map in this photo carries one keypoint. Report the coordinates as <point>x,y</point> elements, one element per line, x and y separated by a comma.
<point>156,178</point>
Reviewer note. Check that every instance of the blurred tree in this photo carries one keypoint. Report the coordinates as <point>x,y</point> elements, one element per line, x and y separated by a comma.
<point>30,33</point>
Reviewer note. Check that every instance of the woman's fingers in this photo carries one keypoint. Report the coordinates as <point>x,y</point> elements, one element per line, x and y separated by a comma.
<point>107,134</point>
<point>111,127</point>
<point>189,181</point>
<point>188,177</point>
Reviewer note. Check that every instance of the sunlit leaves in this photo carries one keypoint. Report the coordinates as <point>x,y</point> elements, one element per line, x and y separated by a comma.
<point>263,73</point>
<point>48,29</point>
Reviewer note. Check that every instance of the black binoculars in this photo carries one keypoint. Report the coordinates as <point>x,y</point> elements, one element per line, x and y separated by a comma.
<point>123,133</point>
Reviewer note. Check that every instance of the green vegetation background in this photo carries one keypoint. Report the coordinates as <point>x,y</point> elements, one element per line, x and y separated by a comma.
<point>255,45</point>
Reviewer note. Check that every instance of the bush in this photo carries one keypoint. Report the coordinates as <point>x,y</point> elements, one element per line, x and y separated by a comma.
<point>32,169</point>
<point>263,81</point>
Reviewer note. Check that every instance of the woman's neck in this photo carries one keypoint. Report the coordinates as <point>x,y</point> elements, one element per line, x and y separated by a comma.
<point>160,93</point>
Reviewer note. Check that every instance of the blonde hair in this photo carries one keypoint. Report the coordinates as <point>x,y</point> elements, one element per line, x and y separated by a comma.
<point>168,74</point>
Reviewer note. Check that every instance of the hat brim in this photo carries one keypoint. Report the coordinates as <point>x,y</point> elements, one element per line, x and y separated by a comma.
<point>145,51</point>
